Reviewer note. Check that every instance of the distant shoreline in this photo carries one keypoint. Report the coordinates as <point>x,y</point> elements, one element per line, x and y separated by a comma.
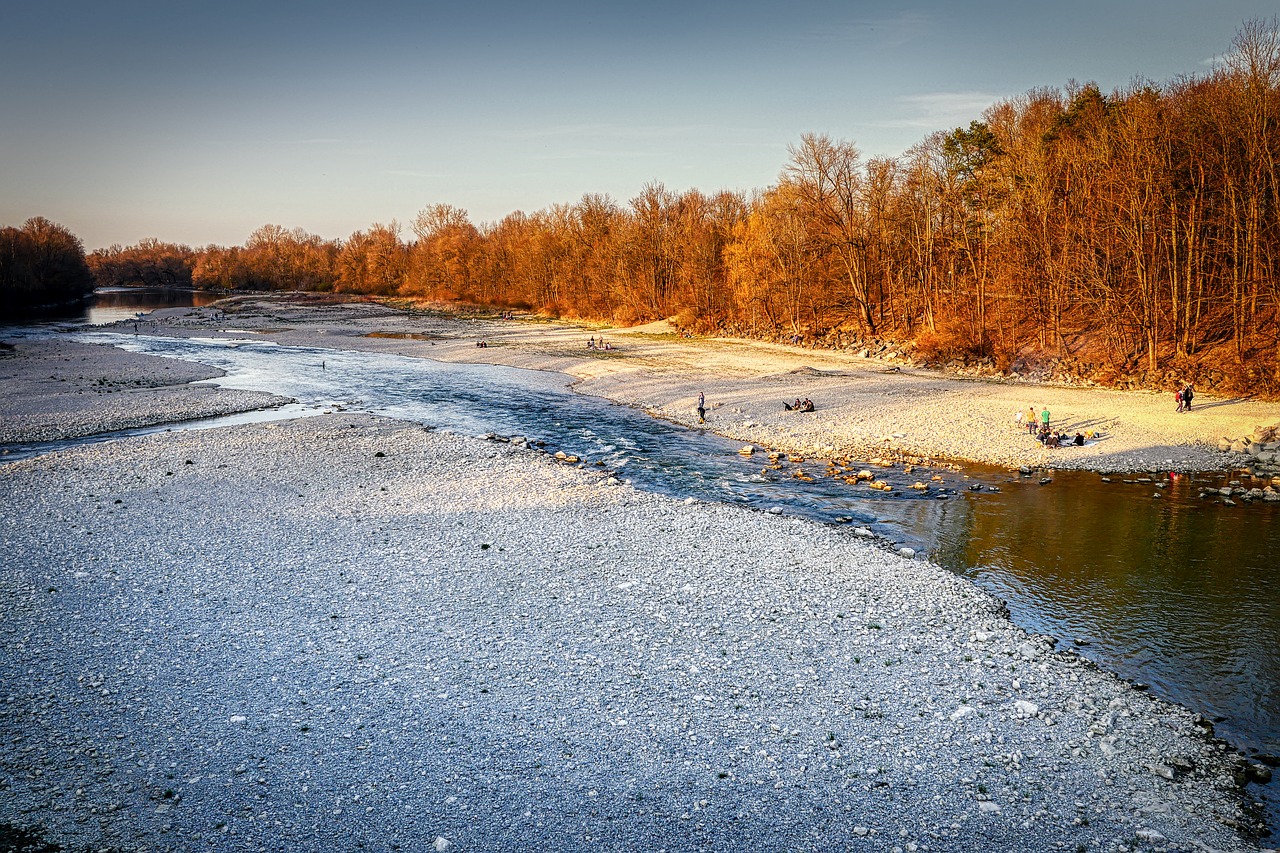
<point>865,408</point>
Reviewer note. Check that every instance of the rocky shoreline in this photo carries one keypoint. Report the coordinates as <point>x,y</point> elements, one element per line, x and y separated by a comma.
<point>866,408</point>
<point>413,640</point>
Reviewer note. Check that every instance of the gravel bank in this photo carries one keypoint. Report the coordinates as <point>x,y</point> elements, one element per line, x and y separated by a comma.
<point>276,636</point>
<point>865,408</point>
<point>58,389</point>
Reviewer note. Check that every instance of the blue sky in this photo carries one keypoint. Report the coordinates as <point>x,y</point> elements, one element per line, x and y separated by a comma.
<point>197,123</point>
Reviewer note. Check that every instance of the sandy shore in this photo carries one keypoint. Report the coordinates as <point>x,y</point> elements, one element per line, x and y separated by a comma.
<point>865,408</point>
<point>272,636</point>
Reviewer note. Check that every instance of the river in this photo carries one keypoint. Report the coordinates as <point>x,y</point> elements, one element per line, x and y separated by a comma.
<point>1174,592</point>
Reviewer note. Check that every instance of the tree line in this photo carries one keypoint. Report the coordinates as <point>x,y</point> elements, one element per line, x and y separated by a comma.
<point>1129,234</point>
<point>42,265</point>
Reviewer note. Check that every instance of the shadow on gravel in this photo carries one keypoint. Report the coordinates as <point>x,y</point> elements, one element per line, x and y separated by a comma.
<point>14,839</point>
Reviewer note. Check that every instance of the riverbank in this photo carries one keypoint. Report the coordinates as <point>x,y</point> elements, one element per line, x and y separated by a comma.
<point>865,408</point>
<point>58,389</point>
<point>411,640</point>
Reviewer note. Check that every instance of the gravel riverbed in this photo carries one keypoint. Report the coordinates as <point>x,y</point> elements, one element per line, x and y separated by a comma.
<point>866,408</point>
<point>59,389</point>
<point>354,633</point>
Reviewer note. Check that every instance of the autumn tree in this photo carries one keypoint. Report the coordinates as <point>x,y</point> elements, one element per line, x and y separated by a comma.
<point>41,264</point>
<point>825,179</point>
<point>149,263</point>
<point>372,261</point>
<point>441,258</point>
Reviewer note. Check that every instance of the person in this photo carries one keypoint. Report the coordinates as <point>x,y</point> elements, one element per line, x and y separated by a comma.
<point>1044,417</point>
<point>1187,394</point>
<point>1031,420</point>
<point>807,406</point>
<point>1017,419</point>
<point>1079,439</point>
<point>1177,395</point>
<point>591,342</point>
<point>702,408</point>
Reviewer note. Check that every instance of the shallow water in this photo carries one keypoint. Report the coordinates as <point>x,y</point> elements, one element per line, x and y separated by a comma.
<point>1176,592</point>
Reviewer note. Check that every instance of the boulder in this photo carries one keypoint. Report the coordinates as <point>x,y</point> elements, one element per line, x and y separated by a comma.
<point>1151,836</point>
<point>1259,774</point>
<point>1023,709</point>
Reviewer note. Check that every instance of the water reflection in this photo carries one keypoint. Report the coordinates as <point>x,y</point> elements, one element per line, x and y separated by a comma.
<point>112,304</point>
<point>1173,591</point>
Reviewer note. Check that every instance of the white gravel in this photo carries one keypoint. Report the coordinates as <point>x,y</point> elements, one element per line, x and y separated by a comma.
<point>353,633</point>
<point>59,389</point>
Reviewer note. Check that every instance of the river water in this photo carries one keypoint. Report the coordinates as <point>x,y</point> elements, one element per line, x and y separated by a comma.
<point>1175,592</point>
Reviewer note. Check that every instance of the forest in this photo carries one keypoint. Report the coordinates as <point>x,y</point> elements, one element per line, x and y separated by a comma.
<point>42,266</point>
<point>1125,237</point>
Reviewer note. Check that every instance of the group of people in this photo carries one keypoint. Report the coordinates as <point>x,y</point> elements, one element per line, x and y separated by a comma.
<point>1049,438</point>
<point>592,343</point>
<point>1183,396</point>
<point>1039,425</point>
<point>1033,422</point>
<point>805,405</point>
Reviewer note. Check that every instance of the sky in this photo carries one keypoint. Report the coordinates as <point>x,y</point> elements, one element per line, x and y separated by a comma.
<point>197,123</point>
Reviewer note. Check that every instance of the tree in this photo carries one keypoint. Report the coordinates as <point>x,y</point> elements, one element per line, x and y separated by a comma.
<point>440,260</point>
<point>826,180</point>
<point>150,263</point>
<point>42,264</point>
<point>372,261</point>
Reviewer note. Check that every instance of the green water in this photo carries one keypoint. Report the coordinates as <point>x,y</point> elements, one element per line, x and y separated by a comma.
<point>1178,591</point>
